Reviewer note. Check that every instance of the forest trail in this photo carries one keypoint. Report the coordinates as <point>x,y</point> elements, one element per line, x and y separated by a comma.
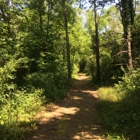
<point>74,118</point>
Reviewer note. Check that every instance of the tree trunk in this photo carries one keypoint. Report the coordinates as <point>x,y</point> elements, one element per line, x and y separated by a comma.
<point>48,16</point>
<point>98,73</point>
<point>67,39</point>
<point>127,15</point>
<point>130,60</point>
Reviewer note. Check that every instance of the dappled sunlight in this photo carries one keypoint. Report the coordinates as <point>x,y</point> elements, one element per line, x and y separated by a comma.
<point>87,135</point>
<point>74,118</point>
<point>76,98</point>
<point>82,76</point>
<point>91,92</point>
<point>45,115</point>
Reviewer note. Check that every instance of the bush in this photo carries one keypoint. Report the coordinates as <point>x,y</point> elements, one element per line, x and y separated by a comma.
<point>17,105</point>
<point>122,116</point>
<point>54,85</point>
<point>130,83</point>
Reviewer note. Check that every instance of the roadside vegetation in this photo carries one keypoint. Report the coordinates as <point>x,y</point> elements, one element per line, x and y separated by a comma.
<point>45,43</point>
<point>119,107</point>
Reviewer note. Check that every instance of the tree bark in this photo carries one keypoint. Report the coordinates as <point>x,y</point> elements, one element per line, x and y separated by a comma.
<point>98,72</point>
<point>127,15</point>
<point>67,39</point>
<point>130,60</point>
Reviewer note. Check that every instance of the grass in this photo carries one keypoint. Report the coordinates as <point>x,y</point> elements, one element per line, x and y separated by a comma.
<point>109,94</point>
<point>111,116</point>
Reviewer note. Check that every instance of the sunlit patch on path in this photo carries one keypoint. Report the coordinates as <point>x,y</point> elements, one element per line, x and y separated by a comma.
<point>56,113</point>
<point>75,118</point>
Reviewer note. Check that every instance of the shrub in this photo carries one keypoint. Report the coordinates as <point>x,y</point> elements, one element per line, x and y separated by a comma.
<point>54,85</point>
<point>122,116</point>
<point>17,105</point>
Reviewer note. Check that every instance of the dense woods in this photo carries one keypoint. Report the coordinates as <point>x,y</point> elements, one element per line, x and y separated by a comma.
<point>45,43</point>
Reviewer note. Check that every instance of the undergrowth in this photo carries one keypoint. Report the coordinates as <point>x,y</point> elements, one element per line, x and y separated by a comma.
<point>119,107</point>
<point>17,112</point>
<point>19,104</point>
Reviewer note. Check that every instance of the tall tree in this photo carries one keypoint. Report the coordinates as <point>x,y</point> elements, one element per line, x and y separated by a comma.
<point>67,38</point>
<point>127,14</point>
<point>96,39</point>
<point>97,44</point>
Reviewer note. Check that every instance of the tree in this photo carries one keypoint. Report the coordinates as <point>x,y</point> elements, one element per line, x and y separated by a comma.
<point>96,39</point>
<point>67,39</point>
<point>127,13</point>
<point>97,44</point>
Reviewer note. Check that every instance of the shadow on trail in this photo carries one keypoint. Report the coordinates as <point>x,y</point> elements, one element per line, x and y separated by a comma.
<point>75,118</point>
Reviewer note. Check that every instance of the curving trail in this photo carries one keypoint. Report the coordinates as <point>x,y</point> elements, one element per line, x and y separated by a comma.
<point>75,118</point>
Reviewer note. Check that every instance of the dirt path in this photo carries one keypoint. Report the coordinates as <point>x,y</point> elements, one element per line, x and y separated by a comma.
<point>75,118</point>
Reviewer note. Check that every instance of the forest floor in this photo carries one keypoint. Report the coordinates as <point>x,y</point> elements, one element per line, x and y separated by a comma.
<point>74,118</point>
